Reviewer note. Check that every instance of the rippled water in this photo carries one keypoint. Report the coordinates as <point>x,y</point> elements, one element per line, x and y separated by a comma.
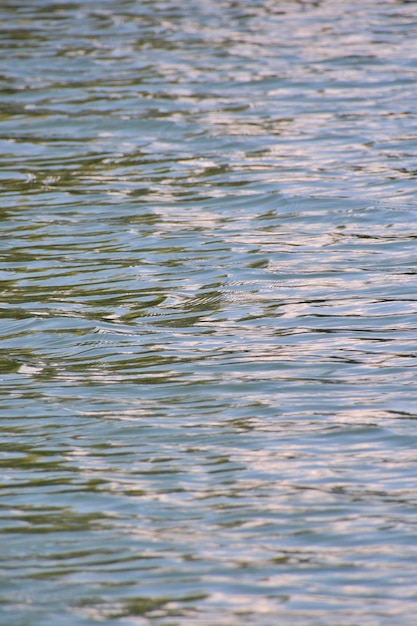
<point>208,383</point>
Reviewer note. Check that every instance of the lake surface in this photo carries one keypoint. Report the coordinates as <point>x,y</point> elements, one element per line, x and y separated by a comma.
<point>208,313</point>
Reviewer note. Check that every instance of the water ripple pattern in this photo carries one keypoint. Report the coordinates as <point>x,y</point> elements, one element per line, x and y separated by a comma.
<point>208,312</point>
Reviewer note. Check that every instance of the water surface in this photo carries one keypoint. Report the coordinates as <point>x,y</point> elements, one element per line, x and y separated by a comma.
<point>208,330</point>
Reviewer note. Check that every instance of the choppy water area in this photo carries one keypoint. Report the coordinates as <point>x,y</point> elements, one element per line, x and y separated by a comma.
<point>208,303</point>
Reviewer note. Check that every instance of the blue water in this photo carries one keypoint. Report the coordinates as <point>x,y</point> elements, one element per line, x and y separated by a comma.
<point>208,313</point>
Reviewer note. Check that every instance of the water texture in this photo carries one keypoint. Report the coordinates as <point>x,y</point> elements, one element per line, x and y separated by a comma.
<point>208,313</point>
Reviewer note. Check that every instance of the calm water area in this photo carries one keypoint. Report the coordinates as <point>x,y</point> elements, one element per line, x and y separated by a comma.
<point>208,383</point>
